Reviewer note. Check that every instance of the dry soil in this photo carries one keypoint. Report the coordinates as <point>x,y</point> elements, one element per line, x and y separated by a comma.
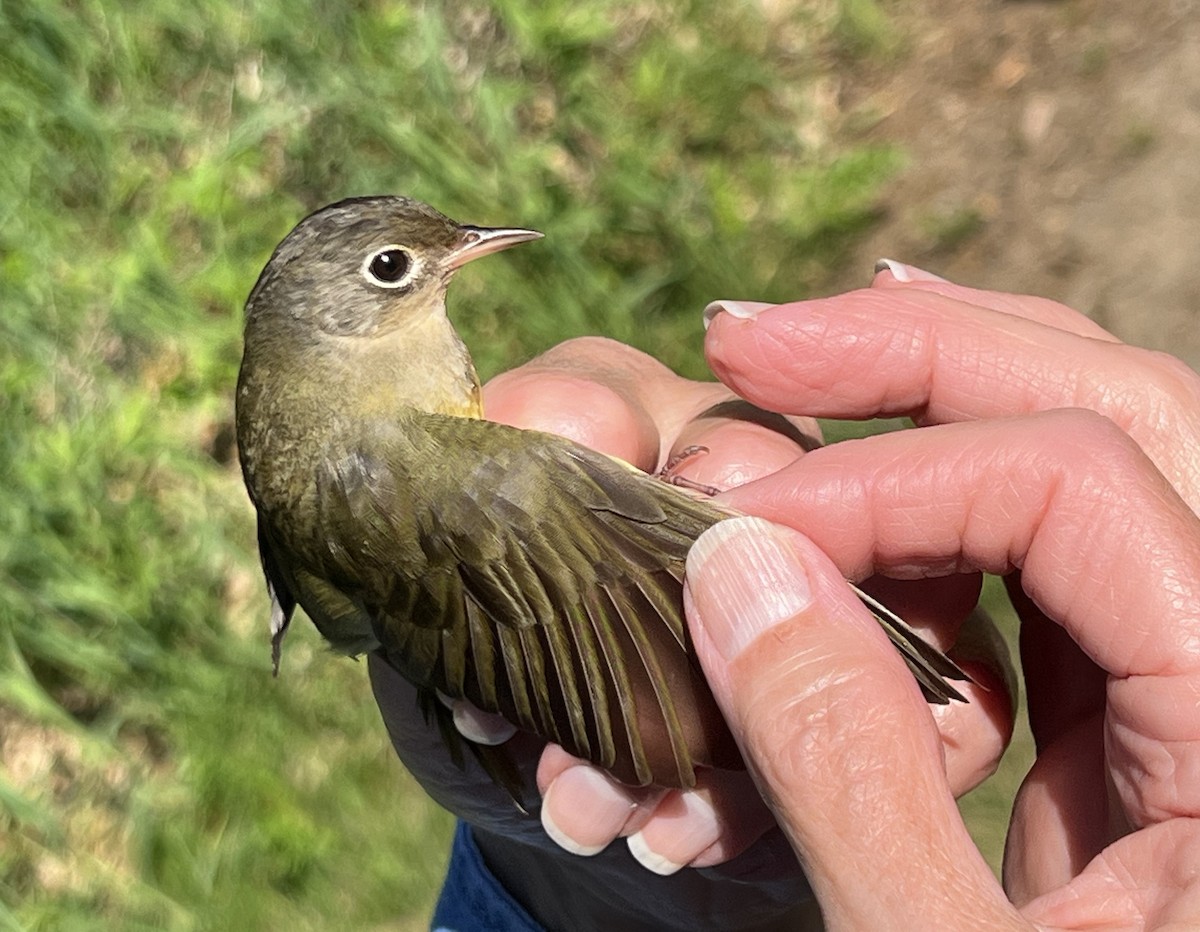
<point>1054,148</point>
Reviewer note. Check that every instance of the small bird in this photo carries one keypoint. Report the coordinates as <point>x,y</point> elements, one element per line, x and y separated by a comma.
<point>515,569</point>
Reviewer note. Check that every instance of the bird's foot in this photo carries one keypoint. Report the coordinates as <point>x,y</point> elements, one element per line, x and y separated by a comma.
<point>670,475</point>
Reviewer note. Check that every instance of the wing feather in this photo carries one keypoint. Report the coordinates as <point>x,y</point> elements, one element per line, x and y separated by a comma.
<point>632,617</point>
<point>619,682</point>
<point>579,644</point>
<point>537,579</point>
<point>512,655</point>
<point>485,675</point>
<point>562,652</point>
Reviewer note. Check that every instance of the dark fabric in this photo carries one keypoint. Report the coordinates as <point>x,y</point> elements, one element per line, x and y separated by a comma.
<point>472,900</point>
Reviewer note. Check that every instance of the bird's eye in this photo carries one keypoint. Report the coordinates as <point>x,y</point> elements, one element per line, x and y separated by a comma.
<point>389,267</point>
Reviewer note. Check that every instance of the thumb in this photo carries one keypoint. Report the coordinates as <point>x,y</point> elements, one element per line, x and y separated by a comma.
<point>835,731</point>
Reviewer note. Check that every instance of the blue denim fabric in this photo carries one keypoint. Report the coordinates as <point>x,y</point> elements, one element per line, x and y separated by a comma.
<point>472,899</point>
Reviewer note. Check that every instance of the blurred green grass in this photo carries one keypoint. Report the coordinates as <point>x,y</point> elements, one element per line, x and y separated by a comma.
<point>152,774</point>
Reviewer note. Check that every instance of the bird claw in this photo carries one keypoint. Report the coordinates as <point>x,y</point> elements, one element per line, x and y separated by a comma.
<point>669,475</point>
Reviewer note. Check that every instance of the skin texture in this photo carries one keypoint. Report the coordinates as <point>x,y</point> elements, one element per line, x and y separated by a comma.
<point>1063,458</point>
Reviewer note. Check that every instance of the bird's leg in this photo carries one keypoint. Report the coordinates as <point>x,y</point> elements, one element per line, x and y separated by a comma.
<point>669,474</point>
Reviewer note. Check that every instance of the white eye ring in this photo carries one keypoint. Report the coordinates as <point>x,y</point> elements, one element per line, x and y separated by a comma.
<point>378,276</point>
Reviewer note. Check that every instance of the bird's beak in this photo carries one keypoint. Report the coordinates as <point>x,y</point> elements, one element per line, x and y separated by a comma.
<point>483,241</point>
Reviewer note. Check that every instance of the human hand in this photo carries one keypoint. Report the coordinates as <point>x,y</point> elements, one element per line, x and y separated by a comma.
<point>615,399</point>
<point>1094,513</point>
<point>621,401</point>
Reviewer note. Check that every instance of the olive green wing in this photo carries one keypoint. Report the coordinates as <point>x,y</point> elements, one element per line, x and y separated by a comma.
<point>533,577</point>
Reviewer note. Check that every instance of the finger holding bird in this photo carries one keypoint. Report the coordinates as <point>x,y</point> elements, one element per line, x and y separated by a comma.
<point>662,414</point>
<point>561,391</point>
<point>616,399</point>
<point>621,401</point>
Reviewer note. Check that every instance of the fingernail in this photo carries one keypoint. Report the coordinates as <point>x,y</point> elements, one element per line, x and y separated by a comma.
<point>745,577</point>
<point>583,811</point>
<point>689,828</point>
<point>651,860</point>
<point>479,726</point>
<point>742,310</point>
<point>906,273</point>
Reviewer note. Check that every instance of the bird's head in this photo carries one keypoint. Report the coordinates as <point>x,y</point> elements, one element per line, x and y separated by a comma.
<point>365,267</point>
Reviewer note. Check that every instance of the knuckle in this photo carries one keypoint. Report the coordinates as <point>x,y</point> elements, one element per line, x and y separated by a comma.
<point>1157,393</point>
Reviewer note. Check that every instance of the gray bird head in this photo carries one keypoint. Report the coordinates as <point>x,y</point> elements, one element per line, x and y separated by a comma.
<point>364,266</point>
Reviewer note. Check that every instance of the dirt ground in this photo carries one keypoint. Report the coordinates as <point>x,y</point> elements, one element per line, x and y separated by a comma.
<point>1054,148</point>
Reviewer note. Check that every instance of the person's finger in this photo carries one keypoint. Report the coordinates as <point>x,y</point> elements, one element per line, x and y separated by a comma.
<point>892,274</point>
<point>1147,880</point>
<point>616,399</point>
<point>1061,814</point>
<point>603,394</point>
<point>583,809</point>
<point>709,824</point>
<point>1063,685</point>
<point>836,733</point>
<point>584,390</point>
<point>976,732</point>
<point>734,442</point>
<point>1107,549</point>
<point>914,352</point>
<point>476,725</point>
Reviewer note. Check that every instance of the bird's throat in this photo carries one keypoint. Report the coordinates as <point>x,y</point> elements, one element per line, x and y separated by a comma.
<point>297,405</point>
<point>456,390</point>
<point>424,365</point>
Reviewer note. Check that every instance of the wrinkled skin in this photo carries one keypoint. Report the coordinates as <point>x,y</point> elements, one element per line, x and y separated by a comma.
<point>1090,492</point>
<point>1066,457</point>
